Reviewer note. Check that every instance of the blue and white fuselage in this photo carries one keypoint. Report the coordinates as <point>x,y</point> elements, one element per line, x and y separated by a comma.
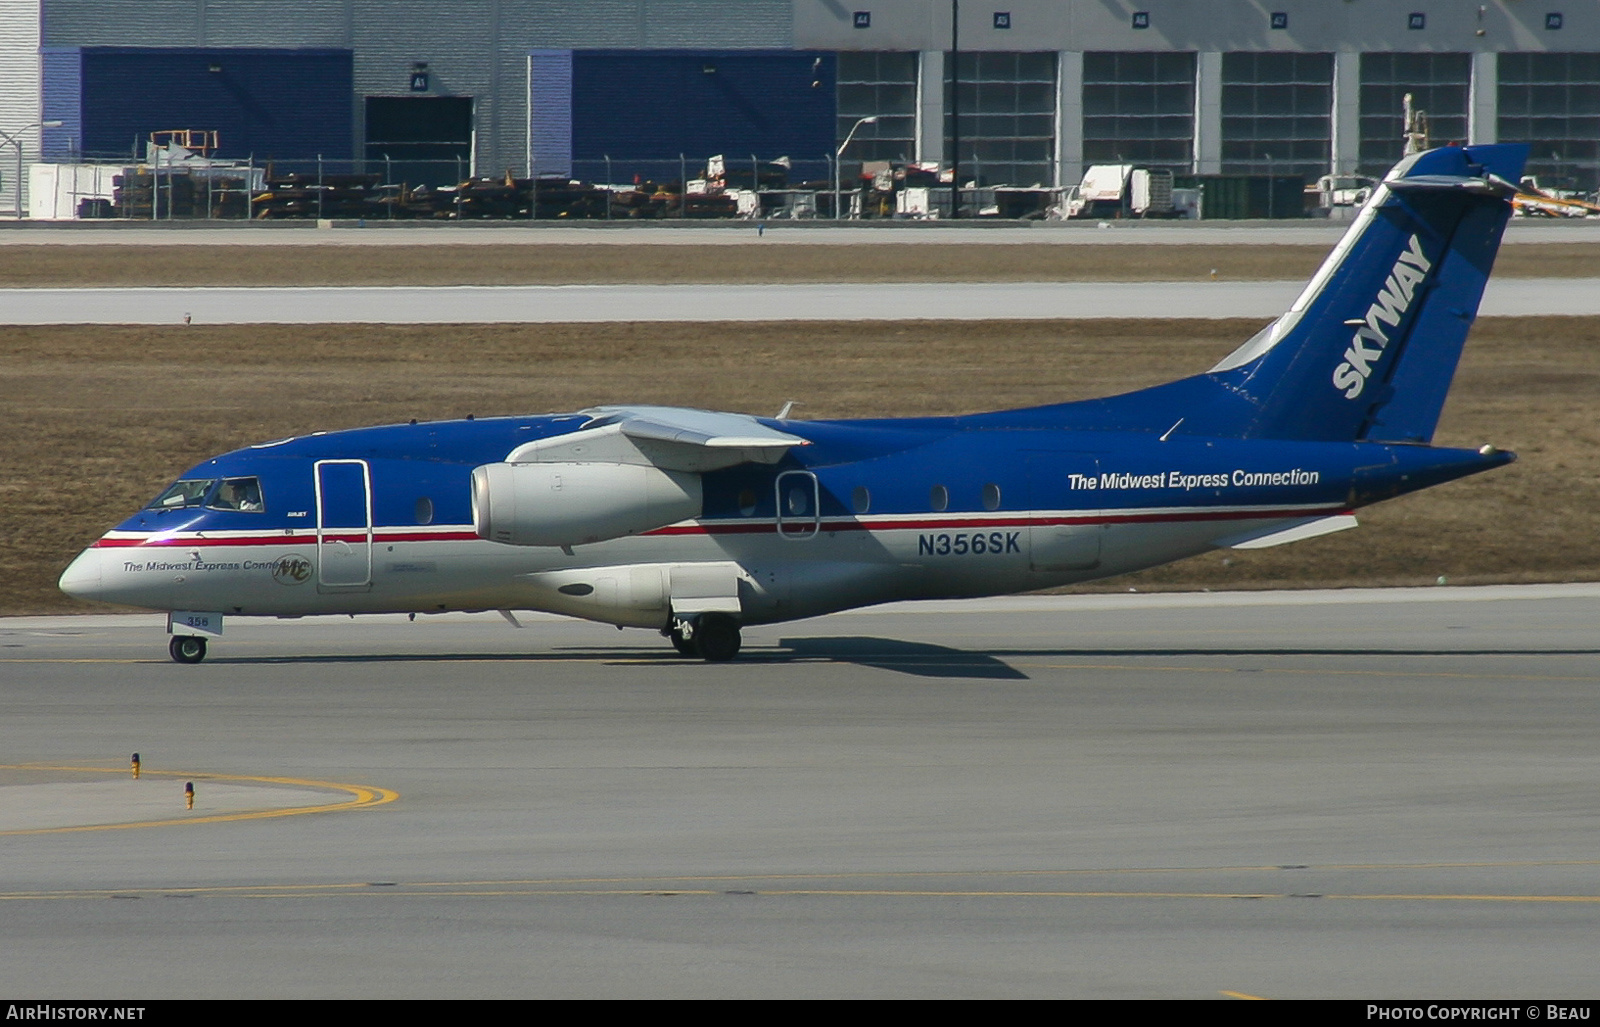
<point>695,522</point>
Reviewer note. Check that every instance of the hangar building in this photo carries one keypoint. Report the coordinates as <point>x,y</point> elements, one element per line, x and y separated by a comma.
<point>1022,91</point>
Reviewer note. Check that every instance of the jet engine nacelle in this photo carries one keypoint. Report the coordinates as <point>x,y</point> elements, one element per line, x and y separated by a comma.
<point>568,504</point>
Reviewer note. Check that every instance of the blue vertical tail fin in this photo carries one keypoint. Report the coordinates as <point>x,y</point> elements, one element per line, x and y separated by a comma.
<point>1369,348</point>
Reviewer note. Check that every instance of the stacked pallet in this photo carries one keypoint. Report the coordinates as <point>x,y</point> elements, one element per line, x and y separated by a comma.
<point>139,193</point>
<point>317,196</point>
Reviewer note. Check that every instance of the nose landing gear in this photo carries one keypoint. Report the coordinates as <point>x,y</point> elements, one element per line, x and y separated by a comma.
<point>714,637</point>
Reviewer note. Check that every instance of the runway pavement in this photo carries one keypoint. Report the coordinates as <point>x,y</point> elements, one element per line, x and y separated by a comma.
<point>608,303</point>
<point>1355,794</point>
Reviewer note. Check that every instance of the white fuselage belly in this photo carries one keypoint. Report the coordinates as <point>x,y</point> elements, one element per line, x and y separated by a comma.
<point>782,576</point>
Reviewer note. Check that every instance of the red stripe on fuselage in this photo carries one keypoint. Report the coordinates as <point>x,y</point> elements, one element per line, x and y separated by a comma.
<point>193,542</point>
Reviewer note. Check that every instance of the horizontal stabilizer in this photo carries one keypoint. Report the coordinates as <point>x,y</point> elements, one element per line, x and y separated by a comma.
<point>1299,531</point>
<point>1484,185</point>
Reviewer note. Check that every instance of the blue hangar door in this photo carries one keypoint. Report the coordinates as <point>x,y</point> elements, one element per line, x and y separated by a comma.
<point>643,108</point>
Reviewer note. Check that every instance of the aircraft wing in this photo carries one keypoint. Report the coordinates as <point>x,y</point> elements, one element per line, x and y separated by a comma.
<point>697,427</point>
<point>671,438</point>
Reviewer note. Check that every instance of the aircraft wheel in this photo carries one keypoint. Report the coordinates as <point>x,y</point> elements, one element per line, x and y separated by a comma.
<point>187,648</point>
<point>716,637</point>
<point>684,646</point>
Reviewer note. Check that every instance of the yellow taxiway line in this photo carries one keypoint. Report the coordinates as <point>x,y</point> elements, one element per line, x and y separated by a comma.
<point>359,797</point>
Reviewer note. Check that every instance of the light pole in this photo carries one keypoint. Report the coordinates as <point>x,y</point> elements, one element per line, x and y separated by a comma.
<point>14,140</point>
<point>1271,167</point>
<point>871,119</point>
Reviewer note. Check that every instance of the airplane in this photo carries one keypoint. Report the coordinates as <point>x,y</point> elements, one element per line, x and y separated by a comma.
<point>697,524</point>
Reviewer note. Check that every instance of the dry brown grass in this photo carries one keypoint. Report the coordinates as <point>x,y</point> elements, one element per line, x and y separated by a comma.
<point>99,419</point>
<point>34,265</point>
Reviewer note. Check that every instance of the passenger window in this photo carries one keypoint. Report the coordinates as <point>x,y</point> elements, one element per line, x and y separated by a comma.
<point>939,498</point>
<point>861,499</point>
<point>241,494</point>
<point>991,496</point>
<point>182,494</point>
<point>424,510</point>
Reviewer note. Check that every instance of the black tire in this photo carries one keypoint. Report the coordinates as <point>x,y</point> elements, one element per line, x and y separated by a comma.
<point>187,648</point>
<point>683,645</point>
<point>716,637</point>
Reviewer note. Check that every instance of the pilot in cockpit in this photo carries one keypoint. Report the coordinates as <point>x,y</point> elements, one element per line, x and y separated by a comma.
<point>242,494</point>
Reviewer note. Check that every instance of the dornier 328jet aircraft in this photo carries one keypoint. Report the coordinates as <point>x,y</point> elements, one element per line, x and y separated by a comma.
<point>695,523</point>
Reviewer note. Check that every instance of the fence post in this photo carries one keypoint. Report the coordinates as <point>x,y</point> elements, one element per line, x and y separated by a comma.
<point>458,187</point>
<point>683,187</point>
<point>608,186</point>
<point>319,186</point>
<point>250,190</point>
<point>388,180</point>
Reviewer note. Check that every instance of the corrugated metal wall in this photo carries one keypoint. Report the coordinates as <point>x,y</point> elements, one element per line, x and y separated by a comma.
<point>109,23</point>
<point>19,93</point>
<point>270,103</point>
<point>302,23</point>
<point>458,39</point>
<point>550,104</point>
<point>1212,26</point>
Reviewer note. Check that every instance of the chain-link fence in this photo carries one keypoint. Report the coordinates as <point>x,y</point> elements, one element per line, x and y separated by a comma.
<point>169,186</point>
<point>173,185</point>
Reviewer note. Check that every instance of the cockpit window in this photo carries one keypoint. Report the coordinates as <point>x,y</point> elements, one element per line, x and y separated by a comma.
<point>183,494</point>
<point>243,494</point>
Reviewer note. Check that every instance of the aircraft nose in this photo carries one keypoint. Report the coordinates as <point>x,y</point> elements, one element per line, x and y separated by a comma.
<point>82,578</point>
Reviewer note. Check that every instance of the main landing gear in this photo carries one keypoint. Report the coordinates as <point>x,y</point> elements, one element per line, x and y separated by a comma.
<point>187,648</point>
<point>714,637</point>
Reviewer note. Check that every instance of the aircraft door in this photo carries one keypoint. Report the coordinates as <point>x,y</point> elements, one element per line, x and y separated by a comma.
<point>799,512</point>
<point>344,525</point>
<point>1061,534</point>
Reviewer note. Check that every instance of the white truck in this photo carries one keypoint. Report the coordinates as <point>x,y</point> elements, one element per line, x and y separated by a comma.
<point>1121,190</point>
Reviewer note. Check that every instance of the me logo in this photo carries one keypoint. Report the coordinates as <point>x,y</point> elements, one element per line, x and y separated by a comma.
<point>1367,344</point>
<point>291,569</point>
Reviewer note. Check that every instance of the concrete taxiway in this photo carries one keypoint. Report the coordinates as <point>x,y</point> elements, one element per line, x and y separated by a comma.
<point>1354,794</point>
<point>815,302</point>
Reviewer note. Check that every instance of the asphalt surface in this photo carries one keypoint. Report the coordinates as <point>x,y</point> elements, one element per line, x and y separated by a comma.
<point>1362,794</point>
<point>608,303</point>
